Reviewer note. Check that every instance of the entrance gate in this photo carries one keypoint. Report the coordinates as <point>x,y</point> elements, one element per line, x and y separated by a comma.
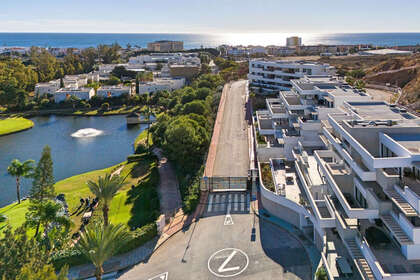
<point>225,183</point>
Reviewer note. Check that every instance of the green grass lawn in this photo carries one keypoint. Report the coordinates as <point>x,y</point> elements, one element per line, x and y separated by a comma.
<point>11,125</point>
<point>133,206</point>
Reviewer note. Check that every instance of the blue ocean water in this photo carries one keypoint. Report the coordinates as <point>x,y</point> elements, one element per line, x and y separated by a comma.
<point>83,40</point>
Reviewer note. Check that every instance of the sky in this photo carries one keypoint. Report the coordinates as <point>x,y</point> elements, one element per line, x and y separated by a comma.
<point>210,16</point>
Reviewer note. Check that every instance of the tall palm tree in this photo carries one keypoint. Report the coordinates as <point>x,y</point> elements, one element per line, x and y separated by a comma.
<point>18,170</point>
<point>99,242</point>
<point>105,189</point>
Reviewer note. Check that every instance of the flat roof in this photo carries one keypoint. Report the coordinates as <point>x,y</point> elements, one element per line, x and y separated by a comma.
<point>379,110</point>
<point>387,51</point>
<point>410,141</point>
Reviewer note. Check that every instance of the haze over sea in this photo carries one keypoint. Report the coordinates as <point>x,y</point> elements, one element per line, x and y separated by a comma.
<point>83,40</point>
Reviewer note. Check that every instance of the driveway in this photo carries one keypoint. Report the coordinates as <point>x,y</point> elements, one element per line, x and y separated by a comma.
<point>227,245</point>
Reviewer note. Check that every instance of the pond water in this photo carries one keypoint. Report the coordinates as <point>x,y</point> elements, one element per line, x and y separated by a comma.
<point>78,144</point>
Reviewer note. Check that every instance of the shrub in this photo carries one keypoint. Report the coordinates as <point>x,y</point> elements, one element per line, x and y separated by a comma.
<point>136,157</point>
<point>321,274</point>
<point>105,106</point>
<point>3,218</point>
<point>140,237</point>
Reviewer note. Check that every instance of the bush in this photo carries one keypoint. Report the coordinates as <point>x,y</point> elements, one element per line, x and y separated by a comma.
<point>3,218</point>
<point>140,237</point>
<point>136,157</point>
<point>105,106</point>
<point>70,257</point>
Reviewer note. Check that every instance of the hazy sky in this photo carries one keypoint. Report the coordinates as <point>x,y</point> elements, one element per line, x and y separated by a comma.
<point>210,16</point>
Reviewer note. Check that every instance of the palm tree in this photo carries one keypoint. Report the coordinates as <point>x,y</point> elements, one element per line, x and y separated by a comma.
<point>18,170</point>
<point>105,189</point>
<point>99,242</point>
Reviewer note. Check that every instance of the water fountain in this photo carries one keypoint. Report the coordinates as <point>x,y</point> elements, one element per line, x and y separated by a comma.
<point>87,132</point>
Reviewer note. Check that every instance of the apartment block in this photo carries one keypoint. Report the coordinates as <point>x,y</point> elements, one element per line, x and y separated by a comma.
<point>166,46</point>
<point>345,170</point>
<point>273,76</point>
<point>113,91</point>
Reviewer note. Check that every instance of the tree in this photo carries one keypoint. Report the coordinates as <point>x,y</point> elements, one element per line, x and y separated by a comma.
<point>43,184</point>
<point>99,242</point>
<point>321,274</point>
<point>105,106</point>
<point>105,188</point>
<point>137,85</point>
<point>196,107</point>
<point>46,272</point>
<point>16,250</point>
<point>18,169</point>
<point>47,213</point>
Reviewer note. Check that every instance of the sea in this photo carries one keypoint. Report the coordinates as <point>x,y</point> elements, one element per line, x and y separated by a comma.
<point>84,40</point>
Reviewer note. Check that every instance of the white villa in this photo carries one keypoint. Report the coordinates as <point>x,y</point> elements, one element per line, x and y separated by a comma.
<point>161,84</point>
<point>81,93</point>
<point>113,91</point>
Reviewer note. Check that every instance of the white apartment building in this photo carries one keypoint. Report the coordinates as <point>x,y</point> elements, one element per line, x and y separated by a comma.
<point>47,88</point>
<point>165,58</point>
<point>165,46</point>
<point>75,81</point>
<point>161,84</point>
<point>351,180</point>
<point>81,93</point>
<point>113,91</point>
<point>273,76</point>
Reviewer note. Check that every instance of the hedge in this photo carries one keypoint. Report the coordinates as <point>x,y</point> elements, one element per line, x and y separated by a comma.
<point>73,257</point>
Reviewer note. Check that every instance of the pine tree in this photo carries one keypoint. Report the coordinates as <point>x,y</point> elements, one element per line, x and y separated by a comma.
<point>43,184</point>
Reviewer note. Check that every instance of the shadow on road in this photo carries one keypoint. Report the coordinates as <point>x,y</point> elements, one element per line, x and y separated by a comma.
<point>285,250</point>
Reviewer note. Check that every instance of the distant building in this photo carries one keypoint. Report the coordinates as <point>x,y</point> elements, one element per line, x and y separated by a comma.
<point>113,91</point>
<point>293,42</point>
<point>166,46</point>
<point>64,94</point>
<point>161,84</point>
<point>47,88</point>
<point>280,51</point>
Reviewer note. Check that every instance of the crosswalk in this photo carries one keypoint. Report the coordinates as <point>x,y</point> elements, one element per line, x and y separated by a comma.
<point>228,202</point>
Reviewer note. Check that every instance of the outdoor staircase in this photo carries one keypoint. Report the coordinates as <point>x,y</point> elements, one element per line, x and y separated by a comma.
<point>404,206</point>
<point>396,229</point>
<point>360,260</point>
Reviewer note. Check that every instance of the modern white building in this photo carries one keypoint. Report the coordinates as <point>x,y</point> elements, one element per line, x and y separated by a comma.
<point>113,91</point>
<point>273,76</point>
<point>346,171</point>
<point>165,58</point>
<point>161,84</point>
<point>64,94</point>
<point>47,88</point>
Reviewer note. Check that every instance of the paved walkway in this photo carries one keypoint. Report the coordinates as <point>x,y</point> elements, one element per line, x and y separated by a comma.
<point>169,195</point>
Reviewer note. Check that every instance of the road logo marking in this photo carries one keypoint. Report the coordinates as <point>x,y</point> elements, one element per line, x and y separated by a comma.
<point>228,220</point>
<point>228,262</point>
<point>162,276</point>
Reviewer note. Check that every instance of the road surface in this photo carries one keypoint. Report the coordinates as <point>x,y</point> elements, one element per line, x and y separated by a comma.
<point>224,244</point>
<point>232,152</point>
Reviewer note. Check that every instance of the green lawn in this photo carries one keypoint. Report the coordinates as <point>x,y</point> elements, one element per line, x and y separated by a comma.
<point>11,125</point>
<point>124,207</point>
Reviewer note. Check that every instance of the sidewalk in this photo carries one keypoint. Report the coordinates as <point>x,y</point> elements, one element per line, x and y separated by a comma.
<point>168,188</point>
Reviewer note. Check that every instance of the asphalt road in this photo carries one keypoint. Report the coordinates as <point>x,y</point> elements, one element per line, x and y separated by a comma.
<point>239,246</point>
<point>232,158</point>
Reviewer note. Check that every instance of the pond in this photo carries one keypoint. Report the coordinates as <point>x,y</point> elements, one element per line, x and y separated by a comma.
<point>78,145</point>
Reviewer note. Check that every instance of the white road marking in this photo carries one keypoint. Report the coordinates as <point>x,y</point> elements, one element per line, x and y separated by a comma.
<point>236,202</point>
<point>210,203</point>
<point>162,276</point>
<point>228,217</point>
<point>222,203</point>
<point>223,267</point>
<point>216,203</point>
<point>242,202</point>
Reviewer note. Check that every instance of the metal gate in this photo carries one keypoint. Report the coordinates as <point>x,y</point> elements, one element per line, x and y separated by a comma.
<point>225,183</point>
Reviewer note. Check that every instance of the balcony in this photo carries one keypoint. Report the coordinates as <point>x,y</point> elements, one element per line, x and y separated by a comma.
<point>357,165</point>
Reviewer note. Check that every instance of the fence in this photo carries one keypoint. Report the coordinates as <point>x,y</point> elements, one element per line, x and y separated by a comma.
<point>225,183</point>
